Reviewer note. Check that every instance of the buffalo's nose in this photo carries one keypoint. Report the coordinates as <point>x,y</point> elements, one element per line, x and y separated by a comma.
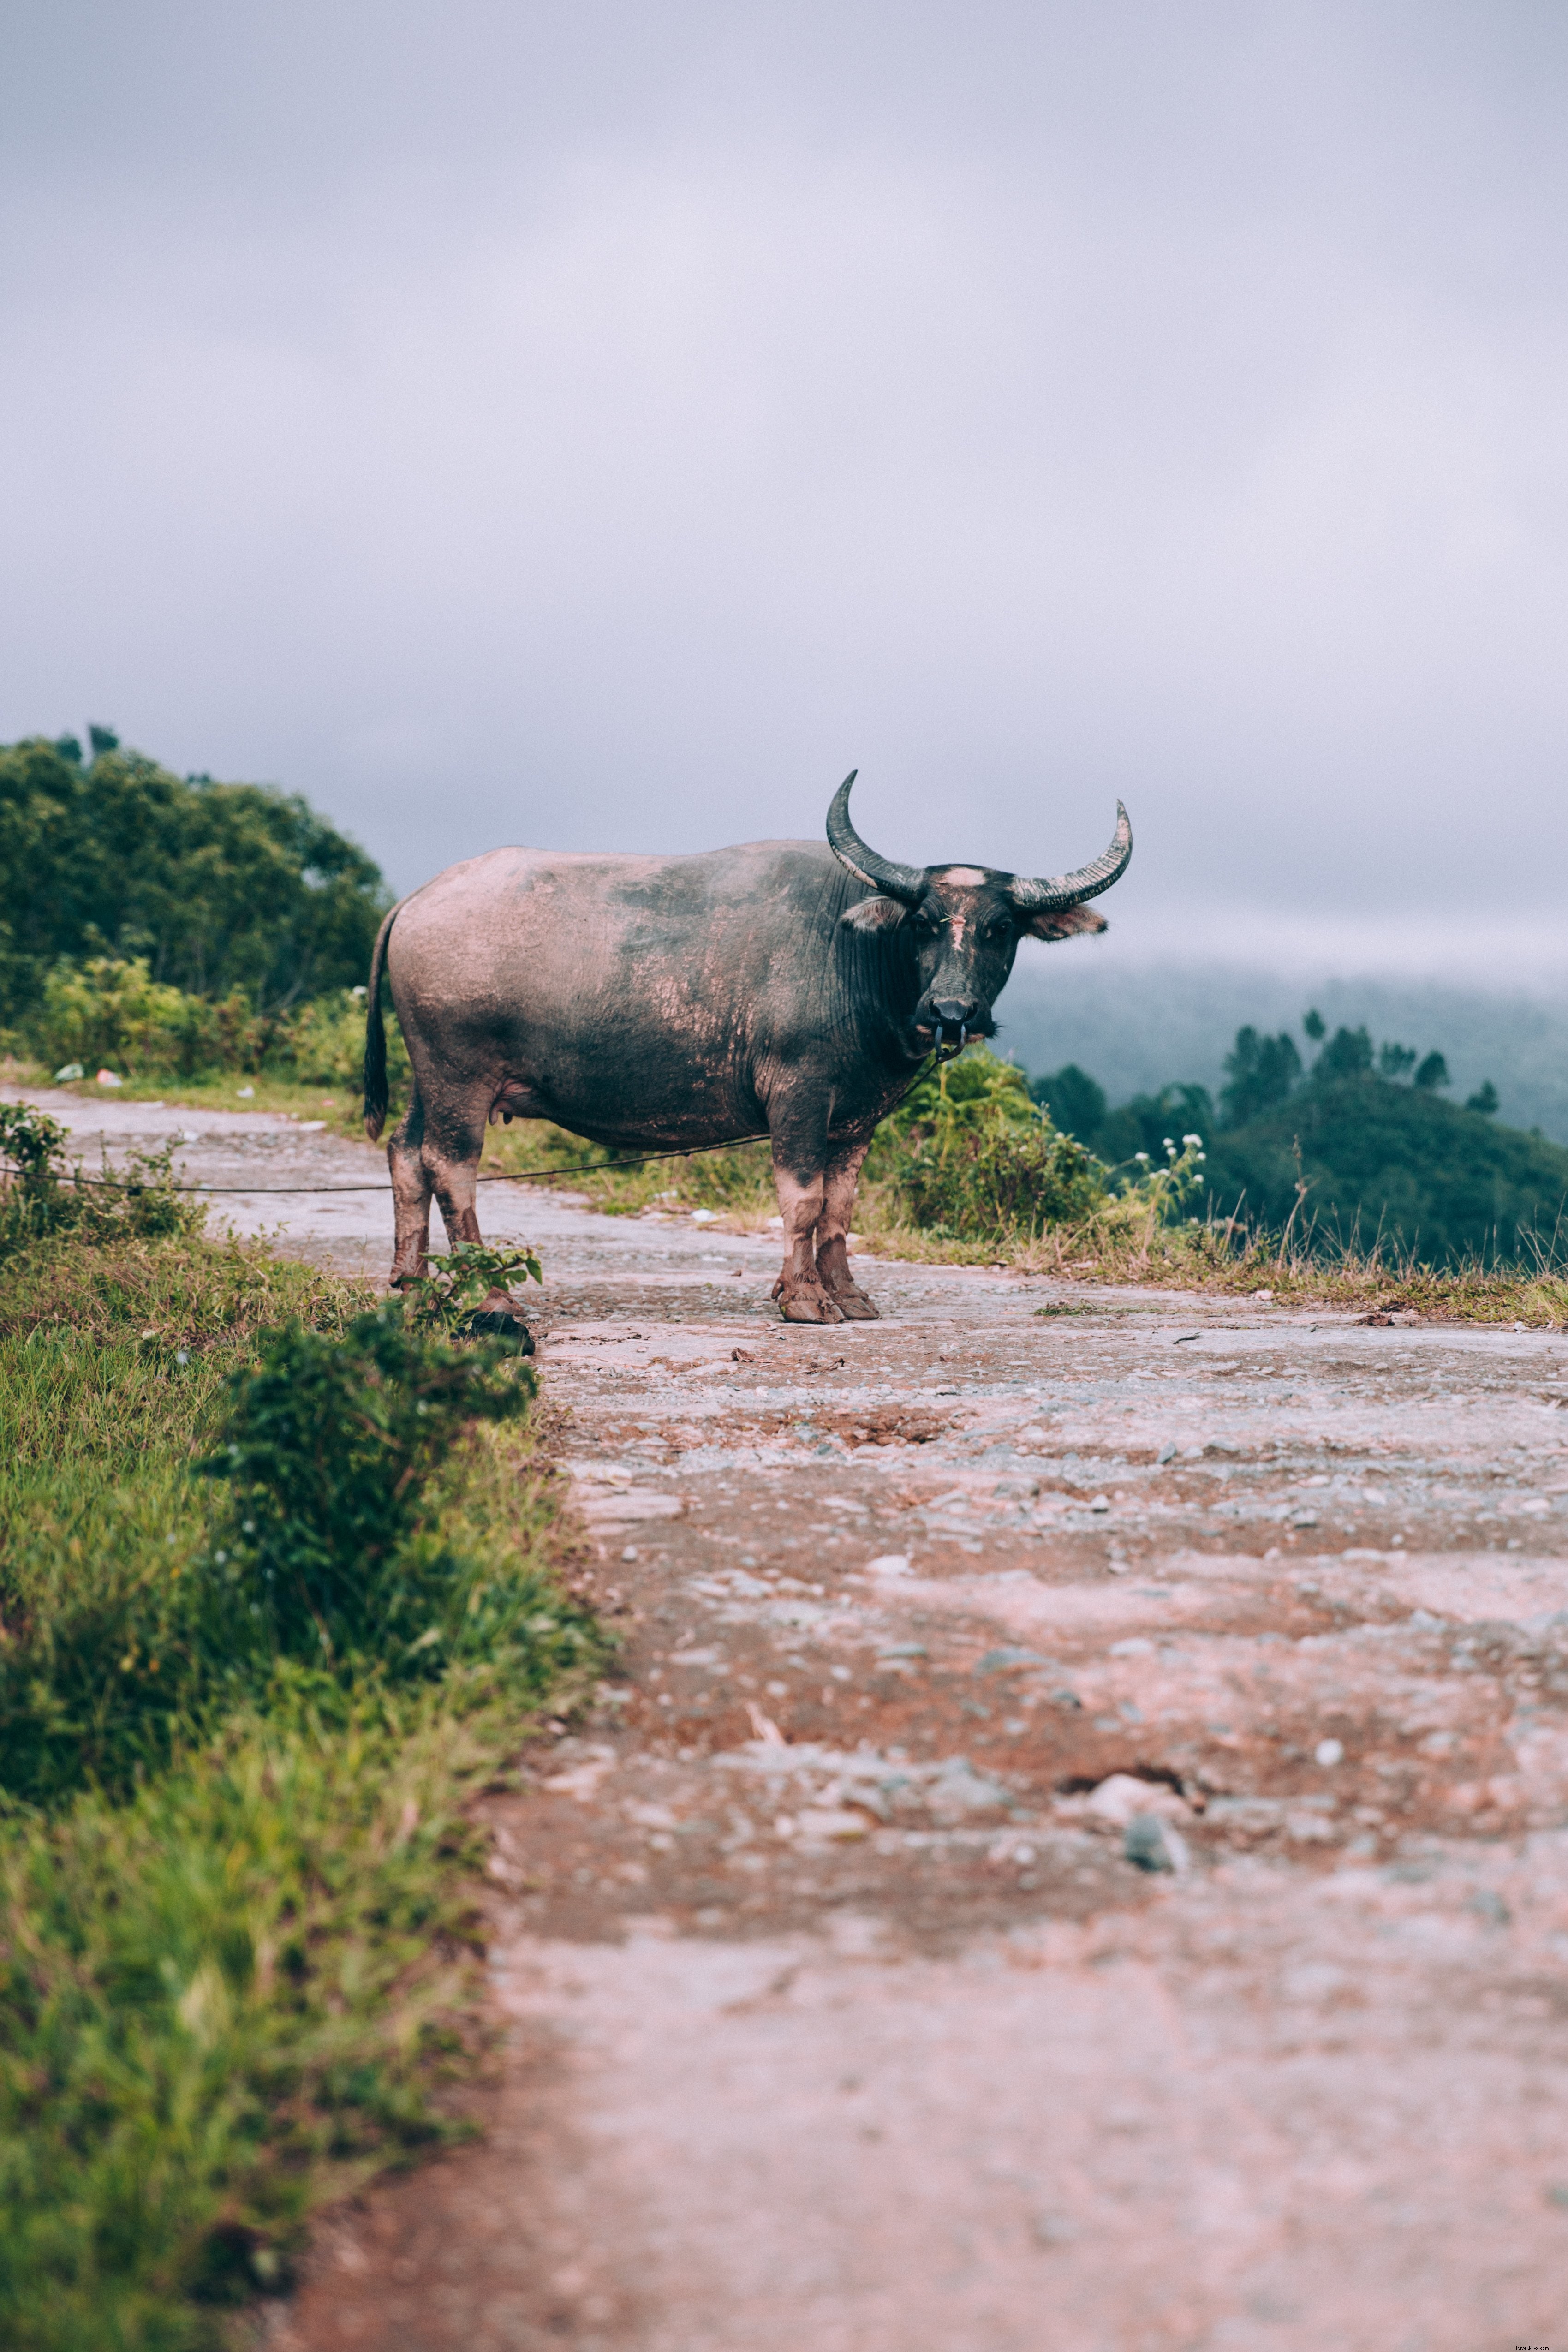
<point>958,1009</point>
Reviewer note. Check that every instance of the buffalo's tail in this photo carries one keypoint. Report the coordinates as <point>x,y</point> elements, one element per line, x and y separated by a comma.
<point>375,1078</point>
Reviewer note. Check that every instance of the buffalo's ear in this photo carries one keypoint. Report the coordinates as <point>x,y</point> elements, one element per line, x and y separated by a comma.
<point>875,915</point>
<point>1068,923</point>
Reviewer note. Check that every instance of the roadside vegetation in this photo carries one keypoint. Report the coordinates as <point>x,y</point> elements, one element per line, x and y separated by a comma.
<point>281,1588</point>
<point>972,1170</point>
<point>206,942</point>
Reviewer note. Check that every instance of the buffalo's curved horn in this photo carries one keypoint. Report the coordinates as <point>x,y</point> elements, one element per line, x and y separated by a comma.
<point>1031,897</point>
<point>905,882</point>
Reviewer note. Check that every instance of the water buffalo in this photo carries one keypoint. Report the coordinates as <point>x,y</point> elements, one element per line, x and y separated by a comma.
<point>664,1002</point>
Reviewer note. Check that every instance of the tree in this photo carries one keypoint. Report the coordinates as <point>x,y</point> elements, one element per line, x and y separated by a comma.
<point>1395,1062</point>
<point>1077,1106</point>
<point>1433,1073</point>
<point>1261,1072</point>
<point>217,887</point>
<point>1315,1026</point>
<point>1347,1055</point>
<point>1485,1099</point>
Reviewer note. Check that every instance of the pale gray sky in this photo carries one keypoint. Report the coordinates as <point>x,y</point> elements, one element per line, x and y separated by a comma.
<point>605,425</point>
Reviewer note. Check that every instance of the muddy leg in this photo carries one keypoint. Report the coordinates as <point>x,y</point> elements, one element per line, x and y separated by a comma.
<point>410,1195</point>
<point>798,1289</point>
<point>452,1166</point>
<point>832,1237</point>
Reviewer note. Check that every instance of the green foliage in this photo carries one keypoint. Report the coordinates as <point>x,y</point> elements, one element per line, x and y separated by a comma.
<point>110,1011</point>
<point>234,1973</point>
<point>1073,1101</point>
<point>217,887</point>
<point>329,1446</point>
<point>40,1195</point>
<point>1433,1179</point>
<point>1433,1071</point>
<point>1146,1124</point>
<point>1259,1073</point>
<point>452,1287</point>
<point>970,1157</point>
<point>323,1044</point>
<point>1484,1101</point>
<point>219,2004</point>
<point>1346,1056</point>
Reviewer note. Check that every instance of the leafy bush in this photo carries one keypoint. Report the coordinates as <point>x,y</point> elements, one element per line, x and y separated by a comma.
<point>40,1195</point>
<point>126,1618</point>
<point>969,1157</point>
<point>110,1010</point>
<point>323,1044</point>
<point>330,1445</point>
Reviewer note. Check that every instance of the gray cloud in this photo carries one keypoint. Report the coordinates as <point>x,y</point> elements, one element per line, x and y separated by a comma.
<point>604,426</point>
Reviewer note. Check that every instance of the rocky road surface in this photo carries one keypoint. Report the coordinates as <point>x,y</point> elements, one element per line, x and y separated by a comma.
<point>1078,1861</point>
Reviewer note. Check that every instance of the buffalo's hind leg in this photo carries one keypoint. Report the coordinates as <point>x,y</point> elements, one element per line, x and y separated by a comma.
<point>447,1155</point>
<point>839,1181</point>
<point>412,1188</point>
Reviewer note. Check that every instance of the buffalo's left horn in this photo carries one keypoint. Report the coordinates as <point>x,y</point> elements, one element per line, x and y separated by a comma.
<point>905,882</point>
<point>1032,896</point>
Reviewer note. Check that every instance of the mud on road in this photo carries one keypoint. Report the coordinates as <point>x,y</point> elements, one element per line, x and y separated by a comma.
<point>1075,1861</point>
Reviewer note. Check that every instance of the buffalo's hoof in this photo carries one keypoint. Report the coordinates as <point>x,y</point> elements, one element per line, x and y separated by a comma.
<point>499,1323</point>
<point>855,1307</point>
<point>811,1307</point>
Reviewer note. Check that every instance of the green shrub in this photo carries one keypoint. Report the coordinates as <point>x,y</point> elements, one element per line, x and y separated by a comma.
<point>40,1195</point>
<point>323,1045</point>
<point>969,1157</point>
<point>131,1606</point>
<point>328,1447</point>
<point>110,1011</point>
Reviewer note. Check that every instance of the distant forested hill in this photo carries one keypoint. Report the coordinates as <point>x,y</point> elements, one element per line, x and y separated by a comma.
<point>1439,1181</point>
<point>219,887</point>
<point>1137,1026</point>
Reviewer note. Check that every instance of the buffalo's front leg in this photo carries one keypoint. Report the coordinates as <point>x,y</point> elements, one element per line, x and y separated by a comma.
<point>838,1210</point>
<point>798,1289</point>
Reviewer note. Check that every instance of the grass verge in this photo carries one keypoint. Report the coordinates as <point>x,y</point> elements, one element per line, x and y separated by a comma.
<point>239,1952</point>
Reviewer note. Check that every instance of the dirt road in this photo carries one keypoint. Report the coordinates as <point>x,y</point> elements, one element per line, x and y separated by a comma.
<point>1077,1864</point>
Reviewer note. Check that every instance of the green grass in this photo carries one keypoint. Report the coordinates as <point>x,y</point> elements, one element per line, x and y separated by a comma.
<point>338,1104</point>
<point>238,1950</point>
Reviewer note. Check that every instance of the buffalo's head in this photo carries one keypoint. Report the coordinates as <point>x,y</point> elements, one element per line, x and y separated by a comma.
<point>965,922</point>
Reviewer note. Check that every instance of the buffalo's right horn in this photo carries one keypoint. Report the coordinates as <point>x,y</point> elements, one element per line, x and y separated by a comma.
<point>905,882</point>
<point>1031,897</point>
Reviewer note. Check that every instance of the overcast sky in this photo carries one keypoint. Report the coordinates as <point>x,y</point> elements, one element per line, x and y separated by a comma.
<point>602,425</point>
